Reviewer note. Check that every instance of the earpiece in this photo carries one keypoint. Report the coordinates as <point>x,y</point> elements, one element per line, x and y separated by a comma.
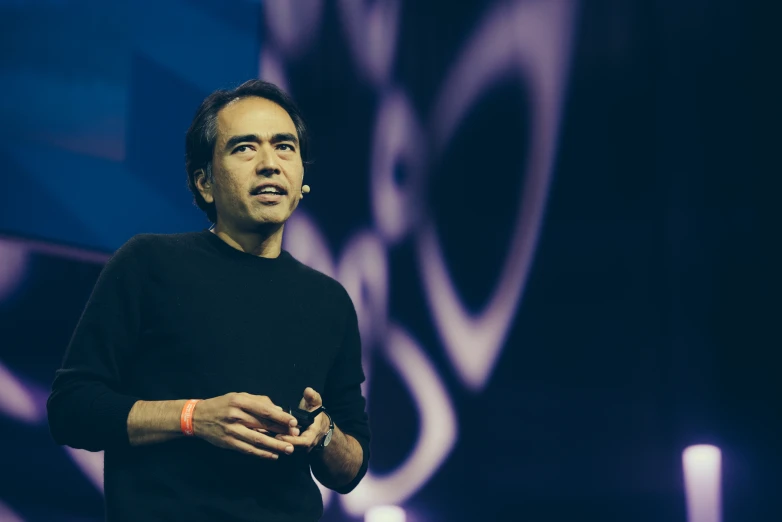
<point>305,189</point>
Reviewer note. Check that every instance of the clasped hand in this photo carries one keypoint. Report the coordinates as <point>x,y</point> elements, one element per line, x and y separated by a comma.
<point>254,425</point>
<point>316,431</point>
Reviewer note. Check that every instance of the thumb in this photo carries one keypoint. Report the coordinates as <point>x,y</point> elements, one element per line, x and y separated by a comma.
<point>312,399</point>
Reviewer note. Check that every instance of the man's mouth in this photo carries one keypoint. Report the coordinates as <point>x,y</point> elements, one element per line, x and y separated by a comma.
<point>268,190</point>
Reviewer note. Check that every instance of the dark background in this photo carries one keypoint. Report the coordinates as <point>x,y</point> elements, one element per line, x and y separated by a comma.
<point>647,323</point>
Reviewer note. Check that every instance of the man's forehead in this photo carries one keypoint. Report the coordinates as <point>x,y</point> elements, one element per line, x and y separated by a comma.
<point>253,115</point>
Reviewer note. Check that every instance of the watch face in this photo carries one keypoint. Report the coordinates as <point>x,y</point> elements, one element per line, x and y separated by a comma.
<point>327,439</point>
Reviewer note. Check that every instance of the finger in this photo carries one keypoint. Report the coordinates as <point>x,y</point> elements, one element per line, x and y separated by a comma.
<point>261,440</point>
<point>264,409</point>
<point>245,419</point>
<point>293,431</point>
<point>249,449</point>
<point>305,440</point>
<point>278,428</point>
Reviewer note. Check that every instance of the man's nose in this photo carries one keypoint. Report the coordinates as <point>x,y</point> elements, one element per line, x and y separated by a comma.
<point>267,161</point>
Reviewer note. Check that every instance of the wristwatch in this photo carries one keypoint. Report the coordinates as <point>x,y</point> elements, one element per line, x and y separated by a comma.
<point>327,438</point>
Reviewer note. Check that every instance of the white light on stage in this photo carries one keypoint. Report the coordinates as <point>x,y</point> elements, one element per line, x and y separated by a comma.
<point>6,515</point>
<point>385,514</point>
<point>17,399</point>
<point>702,482</point>
<point>90,463</point>
<point>13,265</point>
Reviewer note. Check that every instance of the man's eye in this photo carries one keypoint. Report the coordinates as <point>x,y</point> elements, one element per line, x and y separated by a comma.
<point>242,148</point>
<point>285,146</point>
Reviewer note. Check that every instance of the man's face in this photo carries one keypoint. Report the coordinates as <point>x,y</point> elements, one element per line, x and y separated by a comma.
<point>257,165</point>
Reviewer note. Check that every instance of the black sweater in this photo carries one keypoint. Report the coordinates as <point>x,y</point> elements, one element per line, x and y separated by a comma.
<point>187,316</point>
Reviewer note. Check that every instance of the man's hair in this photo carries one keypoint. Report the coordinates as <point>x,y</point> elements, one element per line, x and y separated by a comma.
<point>202,134</point>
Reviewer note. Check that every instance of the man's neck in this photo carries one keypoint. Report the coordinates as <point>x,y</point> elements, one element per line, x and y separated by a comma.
<point>261,244</point>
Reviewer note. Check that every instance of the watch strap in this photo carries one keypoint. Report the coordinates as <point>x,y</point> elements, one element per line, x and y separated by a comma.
<point>322,443</point>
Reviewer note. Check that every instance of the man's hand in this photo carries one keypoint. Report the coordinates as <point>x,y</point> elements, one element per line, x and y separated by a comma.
<point>317,430</point>
<point>245,423</point>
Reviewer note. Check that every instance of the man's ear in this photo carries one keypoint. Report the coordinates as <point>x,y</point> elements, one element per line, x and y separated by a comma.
<point>203,186</point>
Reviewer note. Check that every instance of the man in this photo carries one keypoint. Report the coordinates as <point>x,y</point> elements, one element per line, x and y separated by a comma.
<point>194,347</point>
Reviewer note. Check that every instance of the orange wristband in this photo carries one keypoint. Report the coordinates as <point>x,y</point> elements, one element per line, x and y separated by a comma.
<point>186,420</point>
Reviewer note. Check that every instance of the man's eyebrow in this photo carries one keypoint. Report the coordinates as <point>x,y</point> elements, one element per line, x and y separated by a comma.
<point>254,138</point>
<point>235,140</point>
<point>284,136</point>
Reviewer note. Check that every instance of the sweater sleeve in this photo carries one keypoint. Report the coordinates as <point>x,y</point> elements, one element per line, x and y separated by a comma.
<point>88,407</point>
<point>342,395</point>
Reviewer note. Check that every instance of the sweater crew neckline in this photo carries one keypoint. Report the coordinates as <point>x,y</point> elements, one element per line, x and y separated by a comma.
<point>229,251</point>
